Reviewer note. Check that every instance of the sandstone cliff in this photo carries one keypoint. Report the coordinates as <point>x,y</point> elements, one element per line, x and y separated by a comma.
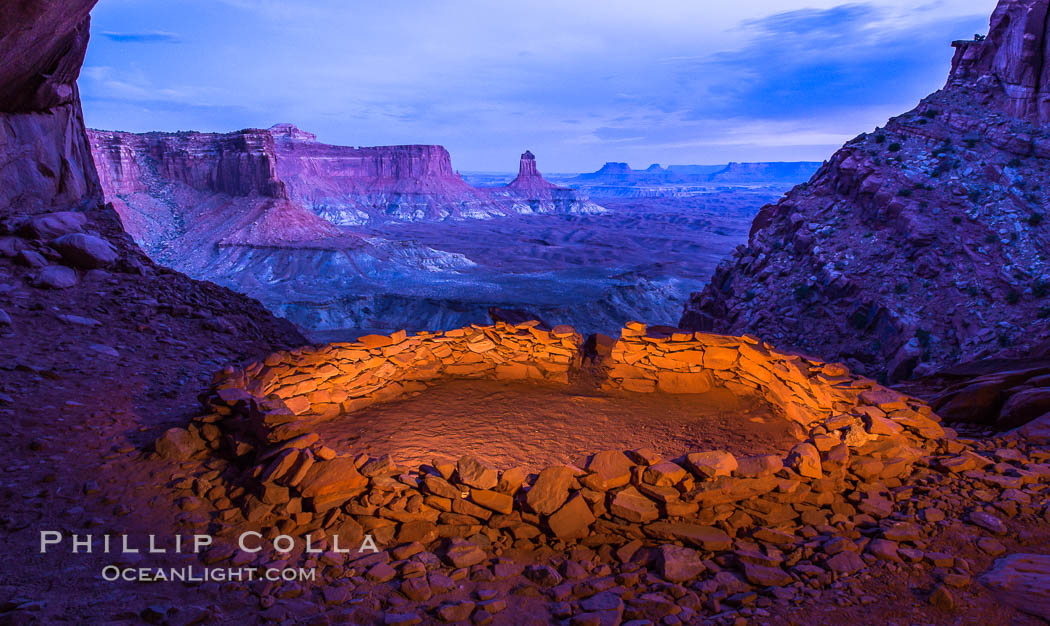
<point>1009,70</point>
<point>922,243</point>
<point>58,241</point>
<point>44,157</point>
<point>348,186</point>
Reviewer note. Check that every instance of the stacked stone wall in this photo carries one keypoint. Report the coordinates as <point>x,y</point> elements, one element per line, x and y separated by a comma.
<point>856,438</point>
<point>322,382</point>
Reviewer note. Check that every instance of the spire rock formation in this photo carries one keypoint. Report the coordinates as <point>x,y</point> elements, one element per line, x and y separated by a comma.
<point>529,179</point>
<point>922,244</point>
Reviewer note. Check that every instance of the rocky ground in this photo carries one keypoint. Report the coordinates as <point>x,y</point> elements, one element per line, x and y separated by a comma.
<point>97,370</point>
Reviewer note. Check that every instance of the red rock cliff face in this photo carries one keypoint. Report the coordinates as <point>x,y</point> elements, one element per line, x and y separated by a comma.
<point>352,186</point>
<point>345,185</point>
<point>922,244</point>
<point>1010,68</point>
<point>45,162</point>
<point>238,164</point>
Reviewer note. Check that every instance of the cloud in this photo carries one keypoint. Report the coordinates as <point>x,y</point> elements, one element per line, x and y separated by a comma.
<point>603,80</point>
<point>148,37</point>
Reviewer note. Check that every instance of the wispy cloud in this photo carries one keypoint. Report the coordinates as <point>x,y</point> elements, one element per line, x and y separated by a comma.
<point>671,81</point>
<point>150,37</point>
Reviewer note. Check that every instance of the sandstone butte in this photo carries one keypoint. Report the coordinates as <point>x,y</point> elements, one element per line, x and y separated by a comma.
<point>879,510</point>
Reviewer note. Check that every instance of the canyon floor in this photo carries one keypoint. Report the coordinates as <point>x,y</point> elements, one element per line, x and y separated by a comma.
<point>640,260</point>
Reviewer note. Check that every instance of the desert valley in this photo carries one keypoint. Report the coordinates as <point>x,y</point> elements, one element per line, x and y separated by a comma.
<point>254,377</point>
<point>347,241</point>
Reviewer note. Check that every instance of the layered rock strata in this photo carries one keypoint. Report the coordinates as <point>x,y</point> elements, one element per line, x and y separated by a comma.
<point>147,176</point>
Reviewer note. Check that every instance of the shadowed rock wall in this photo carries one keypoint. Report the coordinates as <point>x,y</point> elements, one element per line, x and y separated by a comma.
<point>45,160</point>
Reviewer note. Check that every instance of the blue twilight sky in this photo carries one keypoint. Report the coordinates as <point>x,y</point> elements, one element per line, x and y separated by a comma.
<point>579,82</point>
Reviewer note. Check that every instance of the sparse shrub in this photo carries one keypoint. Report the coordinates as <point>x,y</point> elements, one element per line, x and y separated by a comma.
<point>1013,297</point>
<point>880,138</point>
<point>1014,163</point>
<point>894,147</point>
<point>924,338</point>
<point>1044,312</point>
<point>901,288</point>
<point>931,113</point>
<point>802,292</point>
<point>974,195</point>
<point>970,143</point>
<point>905,193</point>
<point>1041,288</point>
<point>956,219</point>
<point>991,238</point>
<point>1035,219</point>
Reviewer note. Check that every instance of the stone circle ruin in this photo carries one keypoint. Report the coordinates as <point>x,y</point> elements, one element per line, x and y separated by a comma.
<point>263,417</point>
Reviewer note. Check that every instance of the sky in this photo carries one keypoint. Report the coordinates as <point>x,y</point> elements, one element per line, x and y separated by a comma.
<point>579,83</point>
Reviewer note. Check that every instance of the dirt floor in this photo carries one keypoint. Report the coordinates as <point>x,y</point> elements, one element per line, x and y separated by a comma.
<point>532,425</point>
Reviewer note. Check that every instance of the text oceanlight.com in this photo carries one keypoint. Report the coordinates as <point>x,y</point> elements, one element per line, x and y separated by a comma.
<point>248,542</point>
<point>191,574</point>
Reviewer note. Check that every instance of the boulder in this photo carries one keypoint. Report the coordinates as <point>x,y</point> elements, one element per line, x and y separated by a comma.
<point>977,403</point>
<point>85,251</point>
<point>460,553</point>
<point>711,464</point>
<point>612,468</point>
<point>805,459</point>
<point>1023,582</point>
<point>572,520</point>
<point>1023,407</point>
<point>766,575</point>
<point>474,474</point>
<point>678,564</point>
<point>1035,430</point>
<point>493,500</point>
<point>664,474</point>
<point>550,491</point>
<point>706,538</point>
<point>631,505</point>
<point>52,225</point>
<point>846,563</point>
<point>55,277</point>
<point>178,444</point>
<point>331,483</point>
<point>759,465</point>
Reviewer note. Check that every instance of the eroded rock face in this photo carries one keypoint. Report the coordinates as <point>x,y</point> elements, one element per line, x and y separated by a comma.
<point>1010,68</point>
<point>45,162</point>
<point>146,174</point>
<point>921,244</point>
